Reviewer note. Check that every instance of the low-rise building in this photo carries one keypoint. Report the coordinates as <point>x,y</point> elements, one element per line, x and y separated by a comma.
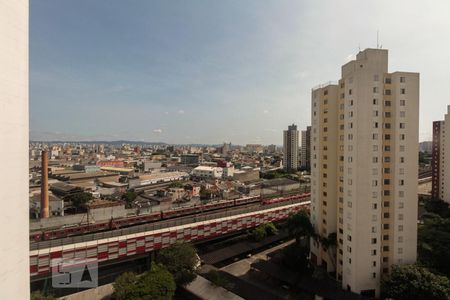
<point>207,172</point>
<point>246,174</point>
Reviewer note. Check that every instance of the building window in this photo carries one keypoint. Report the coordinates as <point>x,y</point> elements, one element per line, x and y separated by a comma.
<point>376,77</point>
<point>402,102</point>
<point>375,89</point>
<point>374,240</point>
<point>387,92</point>
<point>402,79</point>
<point>400,227</point>
<point>387,80</point>
<point>375,102</point>
<point>402,91</point>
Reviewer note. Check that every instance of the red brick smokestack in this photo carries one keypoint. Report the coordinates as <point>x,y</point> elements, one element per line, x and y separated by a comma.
<point>44,185</point>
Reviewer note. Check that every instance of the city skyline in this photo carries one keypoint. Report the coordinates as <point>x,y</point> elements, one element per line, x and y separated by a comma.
<point>205,73</point>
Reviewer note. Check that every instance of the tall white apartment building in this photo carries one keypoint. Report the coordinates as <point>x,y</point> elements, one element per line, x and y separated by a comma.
<point>290,148</point>
<point>364,147</point>
<point>440,159</point>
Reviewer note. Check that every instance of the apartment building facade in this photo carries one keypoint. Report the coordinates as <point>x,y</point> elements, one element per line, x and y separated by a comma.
<point>440,162</point>
<point>305,152</point>
<point>290,148</point>
<point>364,147</point>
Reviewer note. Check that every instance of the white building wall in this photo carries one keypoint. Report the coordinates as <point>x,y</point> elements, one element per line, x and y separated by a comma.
<point>14,248</point>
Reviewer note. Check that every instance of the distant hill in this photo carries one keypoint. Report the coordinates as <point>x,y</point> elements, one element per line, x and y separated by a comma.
<point>119,142</point>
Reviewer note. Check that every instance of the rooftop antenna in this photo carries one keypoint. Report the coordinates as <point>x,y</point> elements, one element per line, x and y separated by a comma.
<point>378,46</point>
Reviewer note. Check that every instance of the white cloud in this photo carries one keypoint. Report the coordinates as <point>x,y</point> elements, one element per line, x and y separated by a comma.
<point>265,111</point>
<point>166,112</point>
<point>157,130</point>
<point>181,112</point>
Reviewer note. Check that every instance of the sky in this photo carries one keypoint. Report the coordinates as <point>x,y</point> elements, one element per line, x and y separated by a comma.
<point>214,71</point>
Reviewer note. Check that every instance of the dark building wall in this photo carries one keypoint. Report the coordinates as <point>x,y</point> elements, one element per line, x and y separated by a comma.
<point>435,161</point>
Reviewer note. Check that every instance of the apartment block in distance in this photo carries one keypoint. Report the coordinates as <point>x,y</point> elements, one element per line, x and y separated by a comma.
<point>439,164</point>
<point>364,165</point>
<point>290,148</point>
<point>305,153</point>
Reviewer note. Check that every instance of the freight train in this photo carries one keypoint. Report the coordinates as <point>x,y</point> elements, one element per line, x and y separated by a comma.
<point>80,229</point>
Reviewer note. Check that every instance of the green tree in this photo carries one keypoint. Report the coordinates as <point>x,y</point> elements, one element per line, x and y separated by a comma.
<point>299,226</point>
<point>129,197</point>
<point>438,207</point>
<point>37,295</point>
<point>259,233</point>
<point>217,278</point>
<point>78,200</point>
<point>295,257</point>
<point>181,260</point>
<point>434,245</point>
<point>157,283</point>
<point>176,184</point>
<point>125,285</point>
<point>205,194</point>
<point>263,230</point>
<point>413,282</point>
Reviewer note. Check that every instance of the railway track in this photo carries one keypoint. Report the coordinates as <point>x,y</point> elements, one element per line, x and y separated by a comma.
<point>198,217</point>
